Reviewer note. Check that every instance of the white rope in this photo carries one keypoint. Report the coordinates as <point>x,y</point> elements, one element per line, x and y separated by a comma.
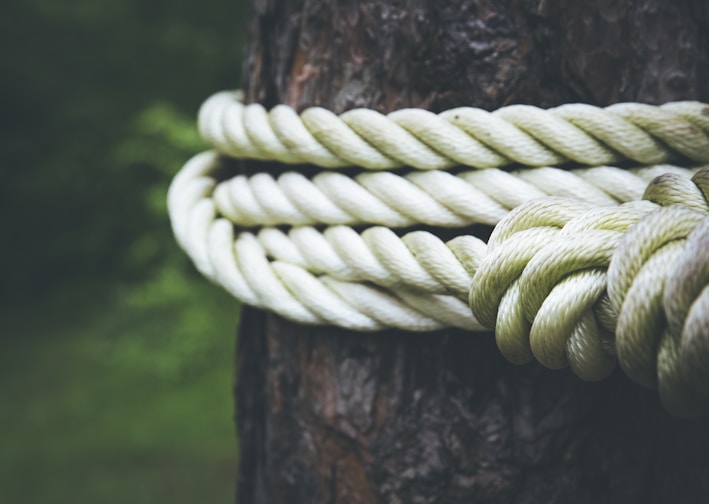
<point>573,285</point>
<point>576,270</point>
<point>262,267</point>
<point>464,136</point>
<point>342,276</point>
<point>303,273</point>
<point>434,198</point>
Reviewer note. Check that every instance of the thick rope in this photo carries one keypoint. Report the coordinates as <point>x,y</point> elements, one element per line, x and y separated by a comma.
<point>434,198</point>
<point>572,285</point>
<point>417,263</point>
<point>321,249</point>
<point>463,136</point>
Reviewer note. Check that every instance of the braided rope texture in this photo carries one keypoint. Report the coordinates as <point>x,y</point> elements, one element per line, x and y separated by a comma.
<point>600,251</point>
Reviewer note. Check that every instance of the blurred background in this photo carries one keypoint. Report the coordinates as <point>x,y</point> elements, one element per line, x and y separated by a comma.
<point>116,356</point>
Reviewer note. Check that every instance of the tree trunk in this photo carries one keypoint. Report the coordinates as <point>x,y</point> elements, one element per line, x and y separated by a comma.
<point>327,415</point>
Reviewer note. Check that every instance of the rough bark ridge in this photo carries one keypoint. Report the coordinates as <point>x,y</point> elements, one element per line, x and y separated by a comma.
<point>328,416</point>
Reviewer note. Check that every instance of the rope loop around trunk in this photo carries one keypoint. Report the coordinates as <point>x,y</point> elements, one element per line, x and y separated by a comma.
<point>600,251</point>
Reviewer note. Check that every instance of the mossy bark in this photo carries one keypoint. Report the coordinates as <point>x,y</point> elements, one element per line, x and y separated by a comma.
<point>327,415</point>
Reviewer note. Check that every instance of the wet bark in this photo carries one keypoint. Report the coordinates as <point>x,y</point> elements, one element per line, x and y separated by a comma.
<point>327,415</point>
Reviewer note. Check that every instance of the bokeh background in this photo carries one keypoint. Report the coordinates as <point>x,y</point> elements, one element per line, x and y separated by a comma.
<point>115,355</point>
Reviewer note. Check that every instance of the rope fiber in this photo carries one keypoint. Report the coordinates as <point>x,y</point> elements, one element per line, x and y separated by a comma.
<point>600,250</point>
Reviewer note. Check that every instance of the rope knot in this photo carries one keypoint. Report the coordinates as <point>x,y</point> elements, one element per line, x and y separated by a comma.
<point>571,285</point>
<point>658,283</point>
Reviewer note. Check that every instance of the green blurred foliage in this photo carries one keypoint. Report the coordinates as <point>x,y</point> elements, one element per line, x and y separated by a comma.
<point>115,373</point>
<point>82,81</point>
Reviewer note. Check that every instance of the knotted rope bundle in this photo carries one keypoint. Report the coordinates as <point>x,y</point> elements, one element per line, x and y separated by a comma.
<point>572,285</point>
<point>562,278</point>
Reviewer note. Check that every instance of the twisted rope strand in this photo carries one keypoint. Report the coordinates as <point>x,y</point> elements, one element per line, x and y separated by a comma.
<point>435,198</point>
<point>464,136</point>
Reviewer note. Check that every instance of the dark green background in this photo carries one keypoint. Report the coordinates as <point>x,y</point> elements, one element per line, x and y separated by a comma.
<point>115,365</point>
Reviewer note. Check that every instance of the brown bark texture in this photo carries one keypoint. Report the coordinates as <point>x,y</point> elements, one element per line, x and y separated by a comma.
<point>331,416</point>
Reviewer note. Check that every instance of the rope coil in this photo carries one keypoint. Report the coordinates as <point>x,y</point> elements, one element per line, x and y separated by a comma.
<point>562,278</point>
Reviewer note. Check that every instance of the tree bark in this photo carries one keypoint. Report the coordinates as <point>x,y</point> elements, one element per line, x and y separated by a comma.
<point>328,415</point>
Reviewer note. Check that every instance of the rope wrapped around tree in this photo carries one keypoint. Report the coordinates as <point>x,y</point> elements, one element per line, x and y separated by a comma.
<point>588,263</point>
